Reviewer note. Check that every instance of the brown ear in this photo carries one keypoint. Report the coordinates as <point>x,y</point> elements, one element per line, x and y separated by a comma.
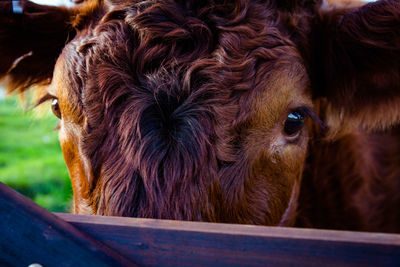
<point>355,66</point>
<point>31,41</point>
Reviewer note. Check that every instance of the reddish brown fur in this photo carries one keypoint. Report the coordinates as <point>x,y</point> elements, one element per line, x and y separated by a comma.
<point>175,109</point>
<point>360,193</point>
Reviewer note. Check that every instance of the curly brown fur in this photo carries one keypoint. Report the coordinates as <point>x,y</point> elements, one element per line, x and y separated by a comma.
<point>166,112</point>
<point>177,110</point>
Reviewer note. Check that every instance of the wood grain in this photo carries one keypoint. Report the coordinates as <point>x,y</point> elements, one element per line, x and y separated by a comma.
<point>31,234</point>
<point>175,243</point>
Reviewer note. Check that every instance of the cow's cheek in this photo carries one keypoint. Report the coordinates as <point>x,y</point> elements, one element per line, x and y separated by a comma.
<point>279,175</point>
<point>288,178</point>
<point>69,144</point>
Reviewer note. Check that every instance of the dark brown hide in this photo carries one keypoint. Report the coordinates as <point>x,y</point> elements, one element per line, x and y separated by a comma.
<point>360,193</point>
<point>45,29</point>
<point>180,109</point>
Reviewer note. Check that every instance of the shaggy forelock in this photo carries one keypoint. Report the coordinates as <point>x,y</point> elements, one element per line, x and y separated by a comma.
<point>165,97</point>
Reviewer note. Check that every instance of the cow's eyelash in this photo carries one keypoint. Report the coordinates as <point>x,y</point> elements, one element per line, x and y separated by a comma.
<point>310,113</point>
<point>44,99</point>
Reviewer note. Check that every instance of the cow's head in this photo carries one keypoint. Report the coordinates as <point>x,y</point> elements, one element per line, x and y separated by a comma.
<point>202,110</point>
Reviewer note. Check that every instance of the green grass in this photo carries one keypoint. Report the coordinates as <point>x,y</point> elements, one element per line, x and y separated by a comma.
<point>30,156</point>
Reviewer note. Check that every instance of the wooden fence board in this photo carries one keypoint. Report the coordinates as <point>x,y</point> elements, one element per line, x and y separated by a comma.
<point>175,243</point>
<point>31,234</point>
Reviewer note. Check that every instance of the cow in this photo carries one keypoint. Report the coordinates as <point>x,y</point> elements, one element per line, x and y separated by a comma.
<point>258,112</point>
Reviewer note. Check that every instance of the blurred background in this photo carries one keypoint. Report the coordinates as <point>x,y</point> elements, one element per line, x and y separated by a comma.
<point>31,161</point>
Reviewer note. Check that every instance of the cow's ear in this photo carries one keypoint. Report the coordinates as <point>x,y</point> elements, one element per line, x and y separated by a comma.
<point>355,66</point>
<point>31,38</point>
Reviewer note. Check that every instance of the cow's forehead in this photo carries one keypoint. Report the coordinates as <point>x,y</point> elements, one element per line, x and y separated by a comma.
<point>150,52</point>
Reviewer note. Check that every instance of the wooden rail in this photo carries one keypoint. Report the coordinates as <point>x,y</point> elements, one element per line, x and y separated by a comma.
<point>148,242</point>
<point>31,234</point>
<point>175,243</point>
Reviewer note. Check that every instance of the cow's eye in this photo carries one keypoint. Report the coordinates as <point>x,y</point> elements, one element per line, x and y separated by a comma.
<point>56,108</point>
<point>294,123</point>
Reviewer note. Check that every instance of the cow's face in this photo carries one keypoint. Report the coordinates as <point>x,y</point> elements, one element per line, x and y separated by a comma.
<point>184,111</point>
<point>207,124</point>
